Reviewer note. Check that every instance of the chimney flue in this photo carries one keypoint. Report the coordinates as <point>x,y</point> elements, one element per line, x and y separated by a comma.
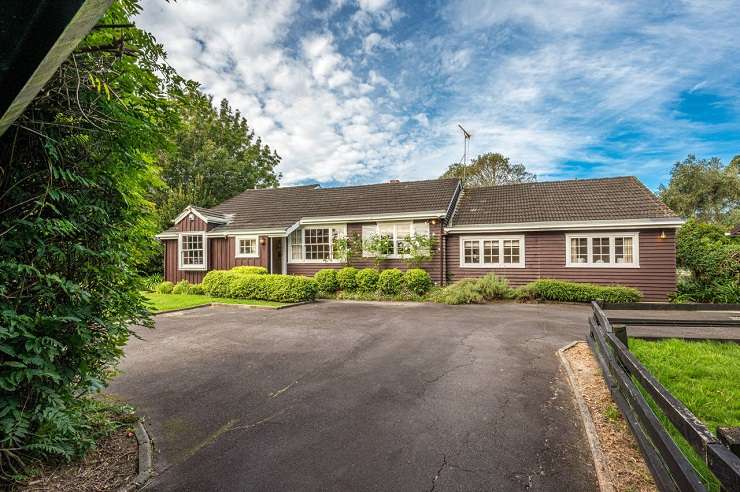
<point>394,180</point>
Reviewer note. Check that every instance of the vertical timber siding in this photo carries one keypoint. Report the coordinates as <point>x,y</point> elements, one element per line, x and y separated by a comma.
<point>434,267</point>
<point>221,256</point>
<point>545,258</point>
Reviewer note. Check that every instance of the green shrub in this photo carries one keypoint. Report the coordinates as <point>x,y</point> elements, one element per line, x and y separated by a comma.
<point>417,281</point>
<point>196,289</point>
<point>347,278</point>
<point>250,270</point>
<point>150,283</point>
<point>466,291</point>
<point>561,290</point>
<point>390,281</point>
<point>326,280</point>
<point>181,287</point>
<point>367,280</point>
<point>492,287</point>
<point>165,287</point>
<point>280,288</point>
<point>216,282</point>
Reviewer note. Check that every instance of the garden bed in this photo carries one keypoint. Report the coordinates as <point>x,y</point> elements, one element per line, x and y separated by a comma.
<point>161,303</point>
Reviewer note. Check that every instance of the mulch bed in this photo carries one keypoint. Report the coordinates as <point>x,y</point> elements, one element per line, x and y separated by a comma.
<point>625,463</point>
<point>110,466</point>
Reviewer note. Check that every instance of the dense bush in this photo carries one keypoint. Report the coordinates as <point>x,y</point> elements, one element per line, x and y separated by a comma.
<point>367,280</point>
<point>181,287</point>
<point>561,290</point>
<point>492,287</point>
<point>280,288</point>
<point>347,278</point>
<point>150,282</point>
<point>390,281</point>
<point>216,282</point>
<point>196,289</point>
<point>257,270</point>
<point>466,291</point>
<point>417,281</point>
<point>326,280</point>
<point>165,287</point>
<point>713,260</point>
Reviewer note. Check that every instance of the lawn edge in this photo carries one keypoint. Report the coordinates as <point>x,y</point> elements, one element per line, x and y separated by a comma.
<point>145,465</point>
<point>602,470</point>
<point>235,304</point>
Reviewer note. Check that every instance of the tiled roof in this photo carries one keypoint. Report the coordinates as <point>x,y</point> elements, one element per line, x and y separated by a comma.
<point>209,212</point>
<point>572,200</point>
<point>279,208</point>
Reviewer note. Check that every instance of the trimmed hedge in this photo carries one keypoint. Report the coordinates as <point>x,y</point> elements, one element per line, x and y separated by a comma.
<point>326,280</point>
<point>181,287</point>
<point>196,289</point>
<point>347,278</point>
<point>417,281</point>
<point>165,287</point>
<point>390,281</point>
<point>266,287</point>
<point>257,270</point>
<point>216,282</point>
<point>561,290</point>
<point>367,280</point>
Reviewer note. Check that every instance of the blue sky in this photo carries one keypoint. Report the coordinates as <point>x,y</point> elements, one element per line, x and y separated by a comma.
<point>369,90</point>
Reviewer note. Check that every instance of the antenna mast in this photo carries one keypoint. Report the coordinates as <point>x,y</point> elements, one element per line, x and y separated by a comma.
<point>466,144</point>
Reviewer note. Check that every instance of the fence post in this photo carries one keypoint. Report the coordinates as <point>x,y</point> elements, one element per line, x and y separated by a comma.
<point>730,436</point>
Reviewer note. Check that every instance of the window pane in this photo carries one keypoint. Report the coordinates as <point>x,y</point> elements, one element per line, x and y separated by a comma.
<point>192,249</point>
<point>578,250</point>
<point>317,244</point>
<point>296,247</point>
<point>471,251</point>
<point>490,252</point>
<point>623,249</point>
<point>511,251</point>
<point>247,246</point>
<point>601,250</point>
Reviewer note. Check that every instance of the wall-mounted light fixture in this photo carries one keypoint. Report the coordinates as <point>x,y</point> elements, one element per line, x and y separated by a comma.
<point>262,240</point>
<point>433,221</point>
<point>191,217</point>
<point>662,234</point>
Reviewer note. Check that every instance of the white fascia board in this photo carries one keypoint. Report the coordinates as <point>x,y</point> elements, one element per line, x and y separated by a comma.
<point>341,219</point>
<point>241,232</point>
<point>208,219</point>
<point>570,225</point>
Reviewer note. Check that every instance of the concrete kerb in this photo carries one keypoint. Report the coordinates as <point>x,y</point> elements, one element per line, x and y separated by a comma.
<point>242,306</point>
<point>145,466</point>
<point>602,471</point>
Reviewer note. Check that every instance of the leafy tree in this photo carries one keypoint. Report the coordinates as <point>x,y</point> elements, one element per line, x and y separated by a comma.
<point>74,222</point>
<point>488,170</point>
<point>705,189</point>
<point>213,155</point>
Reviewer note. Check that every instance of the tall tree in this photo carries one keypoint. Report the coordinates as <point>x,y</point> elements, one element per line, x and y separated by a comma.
<point>214,155</point>
<point>705,189</point>
<point>488,170</point>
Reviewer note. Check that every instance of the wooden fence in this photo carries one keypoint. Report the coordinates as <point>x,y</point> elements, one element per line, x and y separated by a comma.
<point>670,468</point>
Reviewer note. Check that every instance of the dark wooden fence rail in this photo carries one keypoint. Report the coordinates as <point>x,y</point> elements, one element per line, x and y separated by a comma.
<point>670,468</point>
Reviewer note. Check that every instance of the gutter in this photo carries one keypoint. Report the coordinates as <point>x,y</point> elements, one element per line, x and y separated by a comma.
<point>570,225</point>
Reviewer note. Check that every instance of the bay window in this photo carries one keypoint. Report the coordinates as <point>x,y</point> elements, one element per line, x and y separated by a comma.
<point>191,251</point>
<point>314,244</point>
<point>492,252</point>
<point>613,250</point>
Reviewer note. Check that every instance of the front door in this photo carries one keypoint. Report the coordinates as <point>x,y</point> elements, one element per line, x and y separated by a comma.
<point>276,255</point>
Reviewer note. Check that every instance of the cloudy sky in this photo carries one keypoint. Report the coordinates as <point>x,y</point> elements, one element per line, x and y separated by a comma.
<point>358,91</point>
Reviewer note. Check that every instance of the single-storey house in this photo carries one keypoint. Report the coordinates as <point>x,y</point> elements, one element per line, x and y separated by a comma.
<point>607,231</point>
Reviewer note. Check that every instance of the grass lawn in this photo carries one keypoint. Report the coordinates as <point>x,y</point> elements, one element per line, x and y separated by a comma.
<point>167,302</point>
<point>704,376</point>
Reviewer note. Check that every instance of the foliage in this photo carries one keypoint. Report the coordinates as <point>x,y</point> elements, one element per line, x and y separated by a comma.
<point>419,249</point>
<point>466,291</point>
<point>713,260</point>
<point>492,287</point>
<point>403,296</point>
<point>280,288</point>
<point>367,280</point>
<point>164,287</point>
<point>181,287</point>
<point>216,282</point>
<point>390,281</point>
<point>347,278</point>
<point>257,270</point>
<point>705,189</point>
<point>326,280</point>
<point>564,291</point>
<point>213,155</point>
<point>378,247</point>
<point>75,227</point>
<point>488,170</point>
<point>171,302</point>
<point>150,282</point>
<point>417,281</point>
<point>196,289</point>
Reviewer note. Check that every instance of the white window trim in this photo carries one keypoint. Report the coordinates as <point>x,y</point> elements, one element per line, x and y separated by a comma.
<point>394,256</point>
<point>500,264</point>
<point>332,260</point>
<point>612,264</point>
<point>204,265</point>
<point>256,253</point>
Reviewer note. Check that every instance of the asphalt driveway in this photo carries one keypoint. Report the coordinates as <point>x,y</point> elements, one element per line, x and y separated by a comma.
<point>360,396</point>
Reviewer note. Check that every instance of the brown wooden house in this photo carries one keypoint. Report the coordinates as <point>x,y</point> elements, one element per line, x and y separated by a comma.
<point>607,231</point>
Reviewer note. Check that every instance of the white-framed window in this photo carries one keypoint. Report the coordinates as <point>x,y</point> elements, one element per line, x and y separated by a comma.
<point>397,232</point>
<point>192,250</point>
<point>314,244</point>
<point>602,250</point>
<point>492,251</point>
<point>247,246</point>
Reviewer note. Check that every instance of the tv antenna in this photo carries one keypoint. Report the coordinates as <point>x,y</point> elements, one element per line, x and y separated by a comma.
<point>466,145</point>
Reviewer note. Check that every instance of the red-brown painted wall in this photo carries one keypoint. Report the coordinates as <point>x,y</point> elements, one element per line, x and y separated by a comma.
<point>434,267</point>
<point>221,256</point>
<point>545,258</point>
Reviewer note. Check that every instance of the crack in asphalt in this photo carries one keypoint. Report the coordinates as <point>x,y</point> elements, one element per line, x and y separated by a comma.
<point>439,472</point>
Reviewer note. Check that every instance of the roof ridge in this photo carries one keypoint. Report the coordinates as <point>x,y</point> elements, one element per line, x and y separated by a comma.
<point>572,180</point>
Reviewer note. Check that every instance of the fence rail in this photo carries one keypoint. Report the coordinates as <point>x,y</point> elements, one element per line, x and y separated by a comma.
<point>670,468</point>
